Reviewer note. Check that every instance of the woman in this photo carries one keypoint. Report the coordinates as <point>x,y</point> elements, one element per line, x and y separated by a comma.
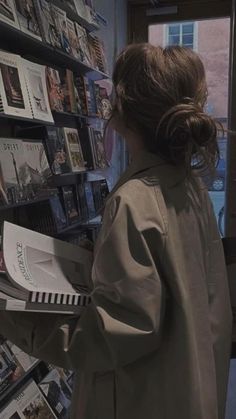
<point>155,342</point>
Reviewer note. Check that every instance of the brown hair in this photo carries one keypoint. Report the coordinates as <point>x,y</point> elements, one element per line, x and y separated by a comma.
<point>161,94</point>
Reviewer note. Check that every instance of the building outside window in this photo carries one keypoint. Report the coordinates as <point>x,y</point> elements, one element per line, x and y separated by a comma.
<point>183,34</point>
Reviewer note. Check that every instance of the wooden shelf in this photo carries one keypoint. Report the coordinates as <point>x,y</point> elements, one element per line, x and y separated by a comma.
<point>25,120</point>
<point>15,41</point>
<point>26,203</point>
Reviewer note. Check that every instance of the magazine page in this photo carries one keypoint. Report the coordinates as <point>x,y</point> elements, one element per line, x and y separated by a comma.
<point>74,150</point>
<point>35,76</point>
<point>13,89</point>
<point>57,393</point>
<point>32,404</point>
<point>40,263</point>
<point>10,369</point>
<point>25,360</point>
<point>59,17</point>
<point>37,169</point>
<point>73,39</point>
<point>55,91</point>
<point>8,13</point>
<point>46,23</point>
<point>13,169</point>
<point>83,45</point>
<point>27,18</point>
<point>11,411</point>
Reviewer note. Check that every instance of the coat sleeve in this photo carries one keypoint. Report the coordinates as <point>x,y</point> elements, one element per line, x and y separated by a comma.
<point>123,322</point>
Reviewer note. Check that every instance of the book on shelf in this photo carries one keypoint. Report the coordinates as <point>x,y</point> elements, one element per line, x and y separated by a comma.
<point>67,85</point>
<point>103,101</point>
<point>27,18</point>
<point>8,13</point>
<point>57,393</point>
<point>10,369</point>
<point>81,94</point>
<point>37,168</point>
<point>100,153</point>
<point>74,150</point>
<point>73,39</point>
<point>70,204</point>
<point>87,144</point>
<point>55,90</point>
<point>13,91</point>
<point>28,402</point>
<point>58,213</point>
<point>80,8</point>
<point>81,200</point>
<point>90,91</point>
<point>97,50</point>
<point>43,273</point>
<point>46,23</point>
<point>89,200</point>
<point>85,55</point>
<point>35,77</point>
<point>54,141</point>
<point>59,17</point>
<point>20,358</point>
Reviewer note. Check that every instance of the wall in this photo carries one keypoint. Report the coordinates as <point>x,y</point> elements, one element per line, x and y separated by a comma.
<point>114,37</point>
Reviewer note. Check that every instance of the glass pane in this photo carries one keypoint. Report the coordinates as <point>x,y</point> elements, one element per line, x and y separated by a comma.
<point>174,40</point>
<point>211,40</point>
<point>188,28</point>
<point>187,40</point>
<point>174,30</point>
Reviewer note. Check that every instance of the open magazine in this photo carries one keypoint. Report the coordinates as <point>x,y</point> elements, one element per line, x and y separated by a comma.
<point>41,273</point>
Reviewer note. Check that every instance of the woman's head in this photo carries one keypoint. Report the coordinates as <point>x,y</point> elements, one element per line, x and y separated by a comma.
<point>160,94</point>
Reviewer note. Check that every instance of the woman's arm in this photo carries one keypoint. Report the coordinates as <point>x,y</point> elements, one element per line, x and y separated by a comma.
<point>123,322</point>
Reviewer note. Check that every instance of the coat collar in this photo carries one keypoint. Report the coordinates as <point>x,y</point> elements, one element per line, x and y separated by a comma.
<point>145,160</point>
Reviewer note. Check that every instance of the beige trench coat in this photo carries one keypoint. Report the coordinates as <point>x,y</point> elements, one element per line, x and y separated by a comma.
<point>155,342</point>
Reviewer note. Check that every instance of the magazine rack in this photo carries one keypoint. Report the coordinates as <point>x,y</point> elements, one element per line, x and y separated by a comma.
<point>15,41</point>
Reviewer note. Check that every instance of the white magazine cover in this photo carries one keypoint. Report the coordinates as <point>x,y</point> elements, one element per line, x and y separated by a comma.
<point>13,169</point>
<point>74,150</point>
<point>40,263</point>
<point>35,76</point>
<point>38,170</point>
<point>13,91</point>
<point>8,13</point>
<point>80,8</point>
<point>11,411</point>
<point>32,404</point>
<point>28,18</point>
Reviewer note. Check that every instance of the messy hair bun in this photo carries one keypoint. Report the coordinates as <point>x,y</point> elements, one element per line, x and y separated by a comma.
<point>161,95</point>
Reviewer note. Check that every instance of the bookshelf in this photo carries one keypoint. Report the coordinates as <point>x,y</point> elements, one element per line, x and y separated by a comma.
<point>36,212</point>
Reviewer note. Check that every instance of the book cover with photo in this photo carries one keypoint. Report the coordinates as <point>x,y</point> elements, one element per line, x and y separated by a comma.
<point>10,369</point>
<point>73,39</point>
<point>67,84</point>
<point>37,169</point>
<point>57,393</point>
<point>8,13</point>
<point>46,23</point>
<point>20,357</point>
<point>32,404</point>
<point>71,208</point>
<point>27,17</point>
<point>81,200</point>
<point>101,159</point>
<point>90,200</point>
<point>14,98</point>
<point>55,90</point>
<point>80,88</point>
<point>74,150</point>
<point>85,55</point>
<point>11,411</point>
<point>35,76</point>
<point>13,167</point>
<point>90,89</point>
<point>59,17</point>
<point>58,213</point>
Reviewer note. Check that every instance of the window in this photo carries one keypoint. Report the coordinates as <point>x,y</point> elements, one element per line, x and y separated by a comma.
<point>181,34</point>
